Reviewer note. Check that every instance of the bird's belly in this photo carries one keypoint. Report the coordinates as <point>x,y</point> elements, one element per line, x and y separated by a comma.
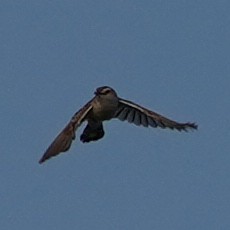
<point>103,114</point>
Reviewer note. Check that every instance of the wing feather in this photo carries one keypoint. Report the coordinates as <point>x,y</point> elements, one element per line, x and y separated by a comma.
<point>144,120</point>
<point>123,113</point>
<point>145,117</point>
<point>131,116</point>
<point>152,122</point>
<point>64,139</point>
<point>137,118</point>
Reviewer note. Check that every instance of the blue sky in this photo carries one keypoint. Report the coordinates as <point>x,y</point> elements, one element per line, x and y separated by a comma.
<point>170,56</point>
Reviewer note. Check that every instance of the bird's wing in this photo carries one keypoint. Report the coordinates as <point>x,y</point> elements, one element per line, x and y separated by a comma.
<point>139,115</point>
<point>63,141</point>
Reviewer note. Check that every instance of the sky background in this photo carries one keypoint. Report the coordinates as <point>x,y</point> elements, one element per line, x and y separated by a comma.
<point>170,56</point>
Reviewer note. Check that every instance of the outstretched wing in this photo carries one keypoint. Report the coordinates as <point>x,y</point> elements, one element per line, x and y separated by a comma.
<point>139,115</point>
<point>63,141</point>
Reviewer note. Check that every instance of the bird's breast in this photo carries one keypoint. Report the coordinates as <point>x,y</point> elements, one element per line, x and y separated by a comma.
<point>104,110</point>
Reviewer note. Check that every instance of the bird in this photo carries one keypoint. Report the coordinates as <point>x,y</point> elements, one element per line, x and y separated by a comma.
<point>106,105</point>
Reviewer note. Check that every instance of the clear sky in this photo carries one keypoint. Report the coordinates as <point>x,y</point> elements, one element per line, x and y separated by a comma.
<point>169,56</point>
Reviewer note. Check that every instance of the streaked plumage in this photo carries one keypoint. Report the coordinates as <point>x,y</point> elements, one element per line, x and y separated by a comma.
<point>105,106</point>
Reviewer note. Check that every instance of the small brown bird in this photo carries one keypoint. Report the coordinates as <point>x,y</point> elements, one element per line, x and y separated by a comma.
<point>106,105</point>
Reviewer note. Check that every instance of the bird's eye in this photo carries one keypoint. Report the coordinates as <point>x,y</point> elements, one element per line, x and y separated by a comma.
<point>105,92</point>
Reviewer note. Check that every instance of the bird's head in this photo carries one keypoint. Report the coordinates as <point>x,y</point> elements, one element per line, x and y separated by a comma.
<point>105,91</point>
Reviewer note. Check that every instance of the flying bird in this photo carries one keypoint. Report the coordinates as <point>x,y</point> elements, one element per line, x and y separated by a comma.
<point>106,105</point>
